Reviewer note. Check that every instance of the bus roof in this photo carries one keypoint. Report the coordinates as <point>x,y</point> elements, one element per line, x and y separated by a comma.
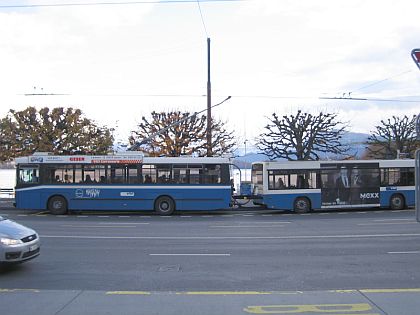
<point>129,158</point>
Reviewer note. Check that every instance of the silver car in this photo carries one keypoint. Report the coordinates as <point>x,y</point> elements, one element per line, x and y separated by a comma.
<point>17,242</point>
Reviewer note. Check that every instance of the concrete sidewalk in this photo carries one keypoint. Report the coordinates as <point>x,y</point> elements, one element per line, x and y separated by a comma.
<point>346,302</point>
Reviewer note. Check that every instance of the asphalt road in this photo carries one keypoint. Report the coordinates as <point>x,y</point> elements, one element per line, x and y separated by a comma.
<point>219,261</point>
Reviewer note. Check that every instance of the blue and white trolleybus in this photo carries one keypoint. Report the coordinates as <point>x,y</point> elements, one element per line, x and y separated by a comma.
<point>307,185</point>
<point>122,182</point>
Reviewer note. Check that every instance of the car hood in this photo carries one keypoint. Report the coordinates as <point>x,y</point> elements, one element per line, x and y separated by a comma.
<point>11,229</point>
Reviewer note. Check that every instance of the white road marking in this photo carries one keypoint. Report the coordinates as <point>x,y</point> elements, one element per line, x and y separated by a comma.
<point>386,220</point>
<point>122,223</point>
<point>297,237</point>
<point>189,254</point>
<point>387,223</point>
<point>257,222</point>
<point>103,226</point>
<point>412,252</point>
<point>246,226</point>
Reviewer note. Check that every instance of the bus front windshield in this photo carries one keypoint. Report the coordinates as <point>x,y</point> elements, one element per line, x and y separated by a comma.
<point>28,175</point>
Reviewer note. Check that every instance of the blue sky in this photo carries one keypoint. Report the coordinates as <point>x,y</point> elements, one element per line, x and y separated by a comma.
<point>120,62</point>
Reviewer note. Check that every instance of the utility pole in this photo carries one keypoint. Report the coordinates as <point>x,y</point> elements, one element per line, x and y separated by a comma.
<point>415,54</point>
<point>209,144</point>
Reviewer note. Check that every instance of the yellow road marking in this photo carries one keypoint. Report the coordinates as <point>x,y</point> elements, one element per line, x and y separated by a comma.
<point>42,213</point>
<point>305,308</point>
<point>19,290</point>
<point>128,293</point>
<point>390,290</point>
<point>225,293</point>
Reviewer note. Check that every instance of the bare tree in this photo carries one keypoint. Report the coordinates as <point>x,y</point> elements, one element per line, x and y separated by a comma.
<point>163,135</point>
<point>396,134</point>
<point>302,136</point>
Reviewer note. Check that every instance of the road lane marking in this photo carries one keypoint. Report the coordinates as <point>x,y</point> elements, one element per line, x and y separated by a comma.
<point>221,223</point>
<point>390,290</point>
<point>297,237</point>
<point>387,220</point>
<point>311,308</point>
<point>246,226</point>
<point>225,293</point>
<point>408,252</point>
<point>105,226</point>
<point>128,293</point>
<point>19,290</point>
<point>386,223</point>
<point>122,223</point>
<point>185,254</point>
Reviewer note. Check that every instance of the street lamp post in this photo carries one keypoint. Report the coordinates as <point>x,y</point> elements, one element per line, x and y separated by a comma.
<point>208,134</point>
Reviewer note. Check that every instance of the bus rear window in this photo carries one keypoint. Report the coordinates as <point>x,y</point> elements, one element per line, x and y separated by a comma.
<point>257,174</point>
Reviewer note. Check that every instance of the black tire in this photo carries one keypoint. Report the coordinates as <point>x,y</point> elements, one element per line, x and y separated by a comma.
<point>397,202</point>
<point>57,205</point>
<point>302,205</point>
<point>164,205</point>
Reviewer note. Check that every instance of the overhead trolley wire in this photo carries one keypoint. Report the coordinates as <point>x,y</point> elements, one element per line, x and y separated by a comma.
<point>16,6</point>
<point>202,19</point>
<point>380,81</point>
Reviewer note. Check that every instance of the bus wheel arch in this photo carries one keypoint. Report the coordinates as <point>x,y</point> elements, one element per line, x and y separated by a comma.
<point>164,205</point>
<point>397,202</point>
<point>302,205</point>
<point>57,205</point>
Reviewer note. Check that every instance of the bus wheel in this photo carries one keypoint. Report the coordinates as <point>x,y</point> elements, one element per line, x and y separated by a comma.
<point>397,202</point>
<point>302,205</point>
<point>57,205</point>
<point>164,205</point>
